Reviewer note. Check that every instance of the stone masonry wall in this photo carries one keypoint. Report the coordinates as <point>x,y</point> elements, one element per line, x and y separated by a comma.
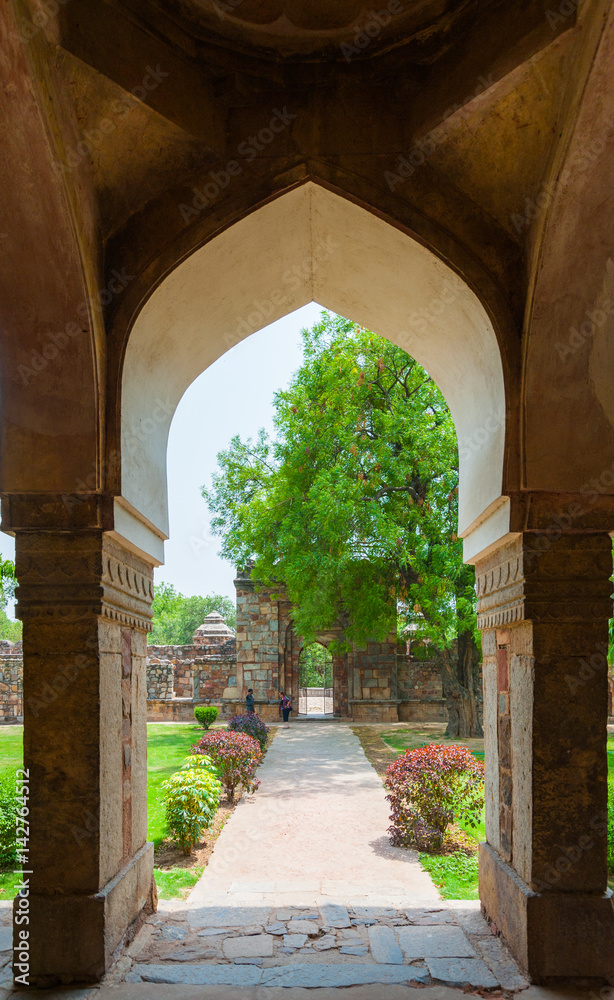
<point>11,679</point>
<point>257,641</point>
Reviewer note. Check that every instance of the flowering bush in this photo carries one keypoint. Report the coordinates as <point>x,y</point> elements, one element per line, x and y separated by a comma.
<point>236,756</point>
<point>8,816</point>
<point>206,715</point>
<point>429,788</point>
<point>251,724</point>
<point>192,796</point>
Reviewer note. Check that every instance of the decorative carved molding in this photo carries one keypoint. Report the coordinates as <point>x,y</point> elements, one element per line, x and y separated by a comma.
<point>567,581</point>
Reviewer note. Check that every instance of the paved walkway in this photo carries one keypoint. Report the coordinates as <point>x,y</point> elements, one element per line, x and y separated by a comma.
<point>304,890</point>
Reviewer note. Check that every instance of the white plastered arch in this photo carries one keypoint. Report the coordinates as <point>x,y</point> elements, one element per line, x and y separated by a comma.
<point>311,245</point>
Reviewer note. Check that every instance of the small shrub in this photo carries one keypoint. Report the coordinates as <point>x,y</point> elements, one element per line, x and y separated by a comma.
<point>192,796</point>
<point>8,813</point>
<point>611,824</point>
<point>206,715</point>
<point>429,788</point>
<point>236,756</point>
<point>253,725</point>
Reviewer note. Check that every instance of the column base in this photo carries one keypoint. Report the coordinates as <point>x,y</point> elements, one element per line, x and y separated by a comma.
<point>76,936</point>
<point>552,935</point>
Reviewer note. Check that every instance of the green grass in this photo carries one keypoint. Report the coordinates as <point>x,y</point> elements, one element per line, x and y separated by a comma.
<point>455,875</point>
<point>173,882</point>
<point>11,748</point>
<point>167,746</point>
<point>8,884</point>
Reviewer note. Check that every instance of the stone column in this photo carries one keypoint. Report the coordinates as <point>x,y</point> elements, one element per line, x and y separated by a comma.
<point>85,602</point>
<point>543,607</point>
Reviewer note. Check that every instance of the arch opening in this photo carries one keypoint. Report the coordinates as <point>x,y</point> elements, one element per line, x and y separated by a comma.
<point>315,680</point>
<point>311,244</point>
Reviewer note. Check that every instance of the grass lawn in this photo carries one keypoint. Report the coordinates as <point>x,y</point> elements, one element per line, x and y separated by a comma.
<point>167,745</point>
<point>11,748</point>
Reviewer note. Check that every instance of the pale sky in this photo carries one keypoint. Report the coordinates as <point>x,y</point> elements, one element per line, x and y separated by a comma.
<point>234,396</point>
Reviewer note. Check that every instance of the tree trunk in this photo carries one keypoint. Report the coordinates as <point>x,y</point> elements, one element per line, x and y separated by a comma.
<point>461,675</point>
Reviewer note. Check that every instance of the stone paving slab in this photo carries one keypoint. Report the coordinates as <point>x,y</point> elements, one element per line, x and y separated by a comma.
<point>376,991</point>
<point>461,971</point>
<point>434,942</point>
<point>499,960</point>
<point>384,947</point>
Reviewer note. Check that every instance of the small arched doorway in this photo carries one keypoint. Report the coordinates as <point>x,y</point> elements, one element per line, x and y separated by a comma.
<point>315,680</point>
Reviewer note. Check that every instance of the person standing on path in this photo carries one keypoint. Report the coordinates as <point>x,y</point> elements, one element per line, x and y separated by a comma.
<point>249,701</point>
<point>285,707</point>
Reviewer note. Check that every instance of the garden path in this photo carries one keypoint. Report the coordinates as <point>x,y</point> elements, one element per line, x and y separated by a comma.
<point>304,890</point>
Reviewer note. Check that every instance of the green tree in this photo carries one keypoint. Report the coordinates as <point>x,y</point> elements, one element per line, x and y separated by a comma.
<point>176,617</point>
<point>9,627</point>
<point>315,666</point>
<point>354,505</point>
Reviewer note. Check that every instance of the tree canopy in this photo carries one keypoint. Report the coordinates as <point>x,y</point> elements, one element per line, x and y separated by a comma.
<point>353,503</point>
<point>177,617</point>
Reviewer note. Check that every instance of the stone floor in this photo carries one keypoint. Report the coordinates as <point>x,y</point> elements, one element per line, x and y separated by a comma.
<point>304,890</point>
<point>303,896</point>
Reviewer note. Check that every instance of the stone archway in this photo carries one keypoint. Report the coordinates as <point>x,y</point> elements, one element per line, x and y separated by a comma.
<point>348,260</point>
<point>315,680</point>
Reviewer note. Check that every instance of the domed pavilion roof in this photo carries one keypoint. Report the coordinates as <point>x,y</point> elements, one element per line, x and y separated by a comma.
<point>213,631</point>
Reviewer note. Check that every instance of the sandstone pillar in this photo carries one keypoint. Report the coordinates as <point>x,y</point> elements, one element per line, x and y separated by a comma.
<point>85,602</point>
<point>543,607</point>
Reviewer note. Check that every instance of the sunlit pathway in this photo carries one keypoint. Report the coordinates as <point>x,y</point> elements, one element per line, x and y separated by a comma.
<point>303,889</point>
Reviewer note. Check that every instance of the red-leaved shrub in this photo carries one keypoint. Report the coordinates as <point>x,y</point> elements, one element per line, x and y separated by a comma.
<point>235,755</point>
<point>430,788</point>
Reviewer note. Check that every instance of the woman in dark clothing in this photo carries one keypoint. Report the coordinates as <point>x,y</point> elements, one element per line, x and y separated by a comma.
<point>285,707</point>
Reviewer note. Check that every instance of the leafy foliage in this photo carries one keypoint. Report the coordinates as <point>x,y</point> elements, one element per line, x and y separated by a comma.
<point>8,813</point>
<point>428,789</point>
<point>455,875</point>
<point>177,617</point>
<point>192,796</point>
<point>356,498</point>
<point>251,724</point>
<point>206,715</point>
<point>315,666</point>
<point>235,755</point>
<point>9,627</point>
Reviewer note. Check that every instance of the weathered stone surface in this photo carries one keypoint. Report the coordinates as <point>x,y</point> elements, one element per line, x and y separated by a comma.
<point>444,942</point>
<point>228,975</point>
<point>6,938</point>
<point>335,915</point>
<point>170,933</point>
<point>499,960</point>
<point>468,913</point>
<point>384,946</point>
<point>248,961</point>
<point>295,940</point>
<point>257,945</point>
<point>353,949</point>
<point>325,943</point>
<point>226,916</point>
<point>275,929</point>
<point>461,971</point>
<point>300,926</point>
<point>429,915</point>
<point>334,976</point>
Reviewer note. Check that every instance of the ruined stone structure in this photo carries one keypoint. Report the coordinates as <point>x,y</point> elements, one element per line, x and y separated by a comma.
<point>380,683</point>
<point>172,181</point>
